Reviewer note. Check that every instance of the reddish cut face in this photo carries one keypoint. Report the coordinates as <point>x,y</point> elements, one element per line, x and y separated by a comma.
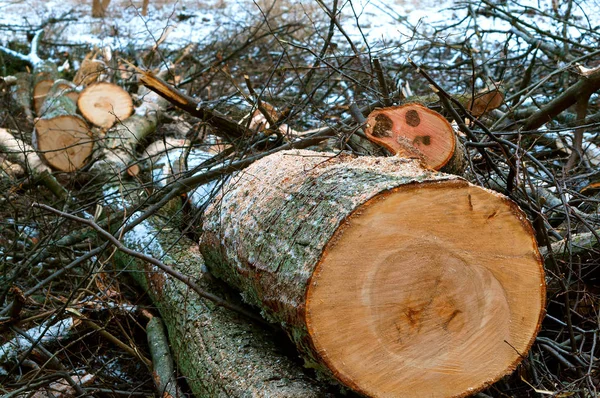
<point>403,129</point>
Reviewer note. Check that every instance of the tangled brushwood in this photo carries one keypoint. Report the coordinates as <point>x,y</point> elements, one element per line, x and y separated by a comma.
<point>305,200</point>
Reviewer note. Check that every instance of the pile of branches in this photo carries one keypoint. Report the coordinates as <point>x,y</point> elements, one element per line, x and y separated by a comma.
<point>278,84</point>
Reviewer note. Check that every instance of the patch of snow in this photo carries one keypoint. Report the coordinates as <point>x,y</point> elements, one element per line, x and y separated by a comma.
<point>11,349</point>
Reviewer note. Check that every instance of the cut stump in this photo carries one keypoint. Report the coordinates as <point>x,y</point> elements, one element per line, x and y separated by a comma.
<point>103,104</point>
<point>397,281</point>
<point>61,136</point>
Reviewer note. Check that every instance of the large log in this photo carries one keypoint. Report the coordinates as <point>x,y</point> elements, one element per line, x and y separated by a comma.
<point>397,281</point>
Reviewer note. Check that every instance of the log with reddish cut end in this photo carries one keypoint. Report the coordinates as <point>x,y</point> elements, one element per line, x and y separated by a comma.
<point>103,104</point>
<point>402,129</point>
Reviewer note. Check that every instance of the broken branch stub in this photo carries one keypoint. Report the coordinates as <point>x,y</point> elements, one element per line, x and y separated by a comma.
<point>412,128</point>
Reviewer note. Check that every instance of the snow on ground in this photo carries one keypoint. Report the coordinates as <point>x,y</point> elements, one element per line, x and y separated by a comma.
<point>381,22</point>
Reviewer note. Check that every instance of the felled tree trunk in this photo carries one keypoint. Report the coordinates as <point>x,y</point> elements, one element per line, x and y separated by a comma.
<point>61,136</point>
<point>221,353</point>
<point>395,280</point>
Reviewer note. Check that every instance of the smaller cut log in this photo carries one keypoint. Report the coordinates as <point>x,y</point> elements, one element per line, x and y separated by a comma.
<point>406,128</point>
<point>61,136</point>
<point>44,75</point>
<point>103,104</point>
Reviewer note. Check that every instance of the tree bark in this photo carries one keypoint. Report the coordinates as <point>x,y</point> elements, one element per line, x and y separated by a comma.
<point>395,280</point>
<point>145,7</point>
<point>221,353</point>
<point>22,94</point>
<point>99,8</point>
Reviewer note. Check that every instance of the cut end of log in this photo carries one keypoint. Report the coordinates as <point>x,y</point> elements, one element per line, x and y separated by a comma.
<point>403,128</point>
<point>485,102</point>
<point>104,103</point>
<point>429,290</point>
<point>64,142</point>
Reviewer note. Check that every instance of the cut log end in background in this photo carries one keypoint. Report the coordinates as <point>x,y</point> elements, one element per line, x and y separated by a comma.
<point>429,290</point>
<point>485,102</point>
<point>64,142</point>
<point>402,129</point>
<point>103,104</point>
<point>61,136</point>
<point>396,280</point>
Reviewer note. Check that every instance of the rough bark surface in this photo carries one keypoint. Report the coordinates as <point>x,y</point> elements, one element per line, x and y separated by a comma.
<point>221,353</point>
<point>22,93</point>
